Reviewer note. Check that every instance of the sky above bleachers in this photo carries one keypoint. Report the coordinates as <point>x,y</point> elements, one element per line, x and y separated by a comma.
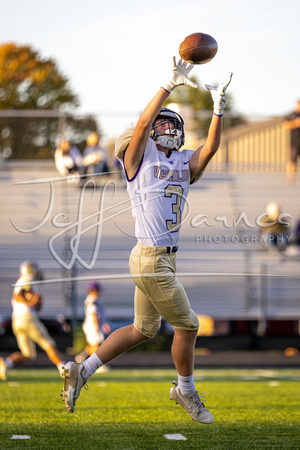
<point>117,53</point>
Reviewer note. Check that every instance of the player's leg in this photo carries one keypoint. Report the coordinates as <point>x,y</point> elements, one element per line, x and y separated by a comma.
<point>94,338</point>
<point>27,348</point>
<point>171,301</point>
<point>54,356</point>
<point>87,352</point>
<point>77,374</point>
<point>18,359</point>
<point>119,342</point>
<point>39,334</point>
<point>146,325</point>
<point>183,351</point>
<point>11,361</point>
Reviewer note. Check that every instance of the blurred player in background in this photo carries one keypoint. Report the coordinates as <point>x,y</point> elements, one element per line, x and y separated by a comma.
<point>27,327</point>
<point>95,157</point>
<point>292,123</point>
<point>95,325</point>
<point>158,179</point>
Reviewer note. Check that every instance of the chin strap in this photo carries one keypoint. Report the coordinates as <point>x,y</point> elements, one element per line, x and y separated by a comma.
<point>173,143</point>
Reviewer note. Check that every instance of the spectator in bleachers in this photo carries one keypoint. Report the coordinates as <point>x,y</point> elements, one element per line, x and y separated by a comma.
<point>95,157</point>
<point>292,123</point>
<point>69,161</point>
<point>275,232</point>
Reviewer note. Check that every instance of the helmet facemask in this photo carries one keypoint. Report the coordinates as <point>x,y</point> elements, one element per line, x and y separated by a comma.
<point>172,136</point>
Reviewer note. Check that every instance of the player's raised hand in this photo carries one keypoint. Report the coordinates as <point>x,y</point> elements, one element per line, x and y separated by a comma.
<point>219,94</point>
<point>179,76</point>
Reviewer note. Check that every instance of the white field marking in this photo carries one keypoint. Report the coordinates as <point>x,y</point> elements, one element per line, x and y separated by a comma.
<point>175,437</point>
<point>266,373</point>
<point>101,384</point>
<point>13,384</point>
<point>273,383</point>
<point>20,436</point>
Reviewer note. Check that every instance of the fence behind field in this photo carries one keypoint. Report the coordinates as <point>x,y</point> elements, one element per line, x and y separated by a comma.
<point>260,147</point>
<point>255,148</point>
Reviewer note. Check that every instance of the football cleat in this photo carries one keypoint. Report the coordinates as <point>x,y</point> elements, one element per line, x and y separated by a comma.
<point>192,404</point>
<point>74,382</point>
<point>3,369</point>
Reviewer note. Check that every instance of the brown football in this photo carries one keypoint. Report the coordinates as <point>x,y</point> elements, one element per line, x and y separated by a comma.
<point>198,48</point>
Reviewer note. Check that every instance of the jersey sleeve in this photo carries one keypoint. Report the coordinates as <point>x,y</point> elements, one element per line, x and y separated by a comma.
<point>189,154</point>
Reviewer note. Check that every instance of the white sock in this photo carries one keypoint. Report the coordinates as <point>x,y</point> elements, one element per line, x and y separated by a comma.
<point>91,365</point>
<point>186,385</point>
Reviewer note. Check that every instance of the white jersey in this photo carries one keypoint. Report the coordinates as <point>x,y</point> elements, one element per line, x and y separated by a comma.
<point>158,193</point>
<point>93,305</point>
<point>21,308</point>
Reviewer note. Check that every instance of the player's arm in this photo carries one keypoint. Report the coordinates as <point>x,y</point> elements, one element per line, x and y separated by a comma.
<point>291,124</point>
<point>204,154</point>
<point>104,321</point>
<point>106,328</point>
<point>137,145</point>
<point>31,298</point>
<point>135,150</point>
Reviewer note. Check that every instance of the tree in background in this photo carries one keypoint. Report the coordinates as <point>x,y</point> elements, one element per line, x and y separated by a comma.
<point>30,82</point>
<point>201,103</point>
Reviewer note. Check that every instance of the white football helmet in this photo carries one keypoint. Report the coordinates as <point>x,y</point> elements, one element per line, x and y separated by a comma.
<point>173,137</point>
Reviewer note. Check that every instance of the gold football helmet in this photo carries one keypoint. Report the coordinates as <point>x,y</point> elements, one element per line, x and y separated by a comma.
<point>30,268</point>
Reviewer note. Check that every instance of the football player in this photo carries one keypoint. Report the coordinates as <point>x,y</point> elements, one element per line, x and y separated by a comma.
<point>95,325</point>
<point>27,327</point>
<point>158,180</point>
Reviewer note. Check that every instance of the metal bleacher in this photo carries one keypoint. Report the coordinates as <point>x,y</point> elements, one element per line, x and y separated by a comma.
<point>226,271</point>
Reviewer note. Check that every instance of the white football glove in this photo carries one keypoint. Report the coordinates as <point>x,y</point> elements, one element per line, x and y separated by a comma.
<point>219,95</point>
<point>179,76</point>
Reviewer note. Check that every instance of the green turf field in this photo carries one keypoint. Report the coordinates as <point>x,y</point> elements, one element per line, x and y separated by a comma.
<point>130,409</point>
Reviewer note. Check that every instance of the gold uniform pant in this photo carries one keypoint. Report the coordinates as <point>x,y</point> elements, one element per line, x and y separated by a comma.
<point>29,330</point>
<point>158,293</point>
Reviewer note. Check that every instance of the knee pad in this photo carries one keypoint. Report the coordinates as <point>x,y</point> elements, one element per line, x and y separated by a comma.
<point>188,323</point>
<point>147,329</point>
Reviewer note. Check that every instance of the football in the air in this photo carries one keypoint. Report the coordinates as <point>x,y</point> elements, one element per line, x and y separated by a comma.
<point>198,48</point>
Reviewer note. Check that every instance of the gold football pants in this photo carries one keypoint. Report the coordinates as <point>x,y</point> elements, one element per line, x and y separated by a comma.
<point>158,293</point>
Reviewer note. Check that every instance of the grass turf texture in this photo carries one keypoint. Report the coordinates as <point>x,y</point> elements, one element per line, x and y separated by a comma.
<point>130,409</point>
